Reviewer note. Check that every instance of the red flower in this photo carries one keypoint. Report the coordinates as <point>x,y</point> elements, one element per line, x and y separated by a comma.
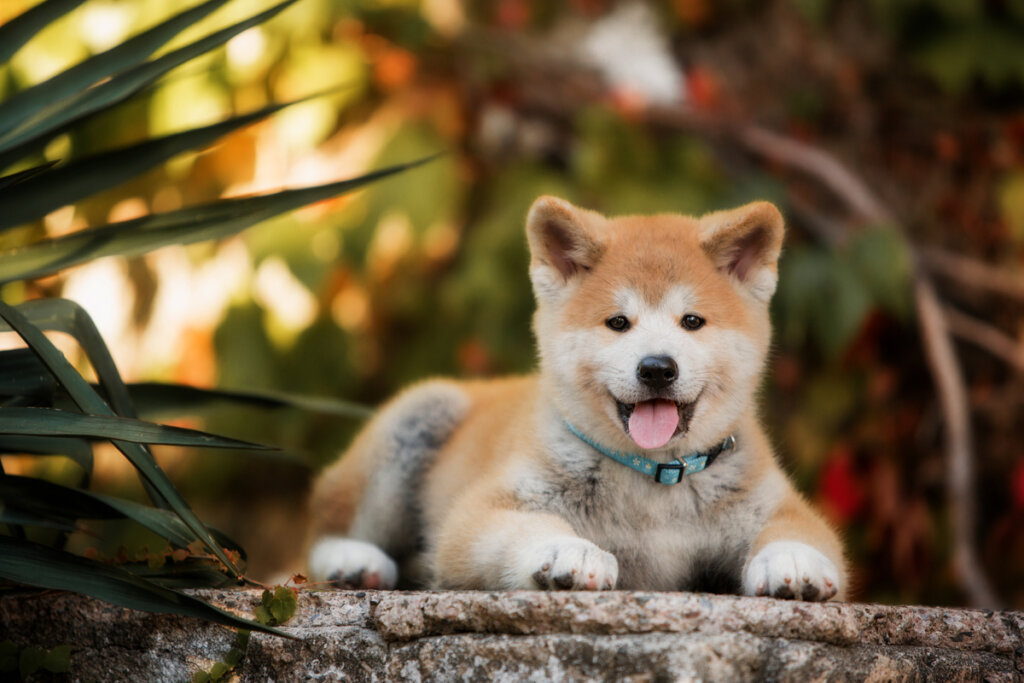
<point>1017,486</point>
<point>840,490</point>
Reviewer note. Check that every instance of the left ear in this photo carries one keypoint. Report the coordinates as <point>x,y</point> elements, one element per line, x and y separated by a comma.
<point>745,243</point>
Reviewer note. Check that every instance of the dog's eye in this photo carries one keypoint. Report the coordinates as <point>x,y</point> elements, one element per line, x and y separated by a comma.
<point>619,323</point>
<point>692,322</point>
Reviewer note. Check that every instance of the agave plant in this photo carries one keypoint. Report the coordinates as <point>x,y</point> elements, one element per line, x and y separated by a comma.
<point>46,406</point>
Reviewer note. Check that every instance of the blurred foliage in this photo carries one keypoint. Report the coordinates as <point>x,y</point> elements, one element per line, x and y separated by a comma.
<point>426,274</point>
<point>960,43</point>
<point>48,407</point>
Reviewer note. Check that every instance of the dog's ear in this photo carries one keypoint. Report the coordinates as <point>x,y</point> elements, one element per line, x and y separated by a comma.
<point>562,241</point>
<point>745,243</point>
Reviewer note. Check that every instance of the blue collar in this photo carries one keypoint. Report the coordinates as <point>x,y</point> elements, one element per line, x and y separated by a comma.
<point>664,473</point>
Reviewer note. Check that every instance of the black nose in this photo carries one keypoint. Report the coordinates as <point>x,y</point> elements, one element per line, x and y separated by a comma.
<point>657,372</point>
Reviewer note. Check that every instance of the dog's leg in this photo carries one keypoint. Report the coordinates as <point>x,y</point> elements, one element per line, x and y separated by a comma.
<point>365,512</point>
<point>496,547</point>
<point>796,555</point>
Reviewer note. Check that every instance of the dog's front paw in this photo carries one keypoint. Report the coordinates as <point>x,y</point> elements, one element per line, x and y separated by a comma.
<point>348,563</point>
<point>568,563</point>
<point>788,569</point>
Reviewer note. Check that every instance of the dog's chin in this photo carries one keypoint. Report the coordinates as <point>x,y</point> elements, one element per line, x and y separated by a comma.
<point>684,408</point>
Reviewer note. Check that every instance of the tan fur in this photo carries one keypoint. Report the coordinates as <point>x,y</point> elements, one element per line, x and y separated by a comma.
<point>495,493</point>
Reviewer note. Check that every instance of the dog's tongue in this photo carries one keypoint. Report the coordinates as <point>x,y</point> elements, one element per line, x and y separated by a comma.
<point>653,423</point>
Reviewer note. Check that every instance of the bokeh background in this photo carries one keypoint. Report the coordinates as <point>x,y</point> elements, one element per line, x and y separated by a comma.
<point>623,107</point>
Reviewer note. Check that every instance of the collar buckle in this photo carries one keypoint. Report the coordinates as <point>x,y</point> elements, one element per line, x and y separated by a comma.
<point>679,468</point>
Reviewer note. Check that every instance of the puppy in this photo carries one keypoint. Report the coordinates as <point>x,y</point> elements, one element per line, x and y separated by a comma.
<point>632,459</point>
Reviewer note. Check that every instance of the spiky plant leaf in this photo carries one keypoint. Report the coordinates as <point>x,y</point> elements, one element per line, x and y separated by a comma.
<point>22,105</point>
<point>59,503</point>
<point>159,398</point>
<point>52,119</point>
<point>64,315</point>
<point>20,29</point>
<point>37,196</point>
<point>184,226</point>
<point>36,565</point>
<point>53,422</point>
<point>91,403</point>
<point>21,176</point>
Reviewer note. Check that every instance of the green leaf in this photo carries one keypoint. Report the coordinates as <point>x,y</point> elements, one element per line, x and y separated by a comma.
<point>840,309</point>
<point>21,176</point>
<point>57,116</point>
<point>22,105</point>
<point>234,657</point>
<point>36,565</point>
<point>218,670</point>
<point>803,273</point>
<point>184,226</point>
<point>822,296</point>
<point>56,502</point>
<point>1010,196</point>
<point>816,11</point>
<point>38,196</point>
<point>984,50</point>
<point>30,661</point>
<point>201,677</point>
<point>53,422</point>
<point>29,519</point>
<point>8,656</point>
<point>64,315</point>
<point>178,399</point>
<point>58,660</point>
<point>22,374</point>
<point>192,573</point>
<point>283,605</point>
<point>90,402</point>
<point>262,614</point>
<point>20,30</point>
<point>881,257</point>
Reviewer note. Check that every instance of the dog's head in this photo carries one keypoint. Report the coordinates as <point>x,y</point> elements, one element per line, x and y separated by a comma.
<point>653,330</point>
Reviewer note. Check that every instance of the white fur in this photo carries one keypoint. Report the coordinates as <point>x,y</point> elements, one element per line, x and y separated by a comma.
<point>548,283</point>
<point>334,556</point>
<point>669,527</point>
<point>546,559</point>
<point>761,283</point>
<point>791,566</point>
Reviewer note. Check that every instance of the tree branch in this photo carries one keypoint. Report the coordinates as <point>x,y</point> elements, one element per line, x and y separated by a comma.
<point>986,336</point>
<point>820,164</point>
<point>973,273</point>
<point>959,443</point>
<point>935,333</point>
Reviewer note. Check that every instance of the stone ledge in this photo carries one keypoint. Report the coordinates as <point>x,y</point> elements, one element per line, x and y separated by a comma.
<point>344,635</point>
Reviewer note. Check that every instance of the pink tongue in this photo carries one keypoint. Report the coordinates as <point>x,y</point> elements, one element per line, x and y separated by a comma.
<point>653,423</point>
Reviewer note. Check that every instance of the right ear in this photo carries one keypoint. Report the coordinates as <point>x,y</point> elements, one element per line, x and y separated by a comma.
<point>562,244</point>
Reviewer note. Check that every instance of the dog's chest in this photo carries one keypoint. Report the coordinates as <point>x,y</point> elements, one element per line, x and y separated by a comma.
<point>691,536</point>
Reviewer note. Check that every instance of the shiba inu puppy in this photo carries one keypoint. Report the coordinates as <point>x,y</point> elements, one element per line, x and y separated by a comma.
<point>633,459</point>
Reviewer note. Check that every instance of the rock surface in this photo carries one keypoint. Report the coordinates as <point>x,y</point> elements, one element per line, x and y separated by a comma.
<point>369,636</point>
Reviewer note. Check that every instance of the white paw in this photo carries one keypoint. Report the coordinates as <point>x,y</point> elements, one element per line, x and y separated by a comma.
<point>788,569</point>
<point>569,563</point>
<point>352,564</point>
